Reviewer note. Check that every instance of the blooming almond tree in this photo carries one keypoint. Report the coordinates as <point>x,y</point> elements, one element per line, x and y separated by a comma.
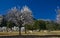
<point>14,15</point>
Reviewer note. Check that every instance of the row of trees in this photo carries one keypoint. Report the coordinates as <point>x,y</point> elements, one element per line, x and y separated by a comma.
<point>43,25</point>
<point>16,17</point>
<point>37,25</point>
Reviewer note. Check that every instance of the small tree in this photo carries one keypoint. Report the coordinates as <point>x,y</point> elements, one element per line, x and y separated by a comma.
<point>27,27</point>
<point>51,25</point>
<point>42,25</point>
<point>36,25</point>
<point>9,25</point>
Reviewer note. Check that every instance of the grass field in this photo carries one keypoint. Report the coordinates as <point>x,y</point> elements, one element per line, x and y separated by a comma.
<point>33,33</point>
<point>9,33</point>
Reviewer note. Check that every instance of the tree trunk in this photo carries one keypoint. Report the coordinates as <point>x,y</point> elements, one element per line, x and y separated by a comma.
<point>25,30</point>
<point>7,29</point>
<point>19,30</point>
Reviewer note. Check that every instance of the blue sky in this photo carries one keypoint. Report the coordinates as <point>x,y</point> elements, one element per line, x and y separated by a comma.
<point>42,9</point>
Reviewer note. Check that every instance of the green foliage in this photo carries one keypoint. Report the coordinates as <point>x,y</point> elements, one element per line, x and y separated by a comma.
<point>3,23</point>
<point>10,24</point>
<point>42,25</point>
<point>36,25</point>
<point>51,25</point>
<point>28,27</point>
<point>57,26</point>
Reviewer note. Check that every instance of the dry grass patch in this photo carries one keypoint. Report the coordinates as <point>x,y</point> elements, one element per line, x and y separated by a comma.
<point>33,33</point>
<point>9,33</point>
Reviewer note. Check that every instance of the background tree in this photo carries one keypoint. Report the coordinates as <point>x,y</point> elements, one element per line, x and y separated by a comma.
<point>36,25</point>
<point>42,25</point>
<point>28,27</point>
<point>3,22</point>
<point>51,25</point>
<point>9,25</point>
